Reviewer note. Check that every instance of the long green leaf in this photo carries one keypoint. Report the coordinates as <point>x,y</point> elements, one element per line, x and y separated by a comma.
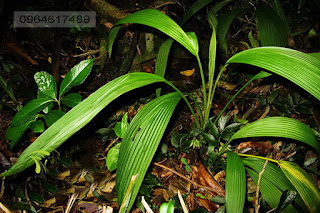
<point>279,127</point>
<point>80,115</point>
<point>29,110</point>
<point>279,10</point>
<point>270,192</point>
<point>158,20</point>
<point>141,142</point>
<point>303,183</point>
<point>162,60</point>
<point>300,68</point>
<point>235,183</point>
<point>76,76</point>
<point>272,29</point>
<point>14,133</point>
<point>274,175</point>
<point>194,9</point>
<point>224,24</point>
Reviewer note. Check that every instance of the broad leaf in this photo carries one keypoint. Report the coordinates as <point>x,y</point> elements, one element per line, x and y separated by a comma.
<point>300,68</point>
<point>279,127</point>
<point>141,142</point>
<point>235,183</point>
<point>14,133</point>
<point>167,207</point>
<point>158,20</point>
<point>121,127</point>
<point>53,116</point>
<point>46,84</point>
<point>29,110</point>
<point>79,116</point>
<point>303,183</point>
<point>274,175</point>
<point>270,192</point>
<point>76,76</point>
<point>37,126</point>
<point>72,99</point>
<point>272,29</point>
<point>112,157</point>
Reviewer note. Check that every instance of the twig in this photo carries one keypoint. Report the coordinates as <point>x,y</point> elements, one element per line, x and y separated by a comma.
<point>257,206</point>
<point>265,113</point>
<point>91,52</point>
<point>2,188</point>
<point>145,205</point>
<point>71,201</point>
<point>183,204</point>
<point>5,209</point>
<point>185,178</point>
<point>110,145</point>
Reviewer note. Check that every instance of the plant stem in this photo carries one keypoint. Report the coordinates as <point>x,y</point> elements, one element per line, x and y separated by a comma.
<point>204,91</point>
<point>257,206</point>
<point>260,157</point>
<point>187,102</point>
<point>214,90</point>
<point>198,108</point>
<point>233,97</point>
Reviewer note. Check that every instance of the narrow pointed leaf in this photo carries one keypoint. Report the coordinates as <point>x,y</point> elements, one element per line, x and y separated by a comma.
<point>279,127</point>
<point>194,9</point>
<point>303,183</point>
<point>79,116</point>
<point>270,192</point>
<point>300,68</point>
<point>141,142</point>
<point>158,20</point>
<point>72,99</point>
<point>76,75</point>
<point>235,183</point>
<point>272,29</point>
<point>29,110</point>
<point>224,24</point>
<point>46,84</point>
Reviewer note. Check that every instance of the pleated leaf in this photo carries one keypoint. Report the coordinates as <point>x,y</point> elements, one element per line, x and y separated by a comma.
<point>274,175</point>
<point>158,20</point>
<point>194,9</point>
<point>79,116</point>
<point>141,141</point>
<point>272,29</point>
<point>235,183</point>
<point>303,183</point>
<point>162,60</point>
<point>270,192</point>
<point>300,68</point>
<point>279,127</point>
<point>224,24</point>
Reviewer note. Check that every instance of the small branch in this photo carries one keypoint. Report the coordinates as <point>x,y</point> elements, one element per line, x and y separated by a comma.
<point>183,204</point>
<point>185,178</point>
<point>145,205</point>
<point>5,209</point>
<point>256,205</point>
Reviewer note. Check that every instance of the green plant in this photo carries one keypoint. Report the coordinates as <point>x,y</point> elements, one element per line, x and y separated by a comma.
<point>144,133</point>
<point>28,115</point>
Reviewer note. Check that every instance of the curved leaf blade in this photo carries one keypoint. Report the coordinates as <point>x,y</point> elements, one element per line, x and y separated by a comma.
<point>141,142</point>
<point>72,99</point>
<point>53,116</point>
<point>303,183</point>
<point>14,133</point>
<point>223,26</point>
<point>76,75</point>
<point>279,127</point>
<point>235,183</point>
<point>272,29</point>
<point>270,192</point>
<point>158,20</point>
<point>29,110</point>
<point>195,7</point>
<point>300,68</point>
<point>79,116</point>
<point>46,84</point>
